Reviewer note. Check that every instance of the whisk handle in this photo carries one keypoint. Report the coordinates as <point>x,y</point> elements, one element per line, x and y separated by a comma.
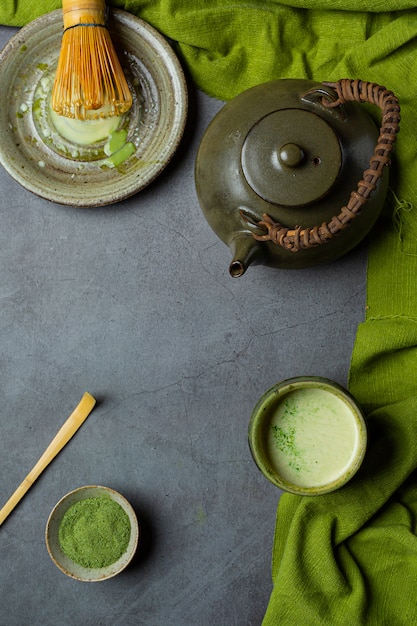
<point>78,12</point>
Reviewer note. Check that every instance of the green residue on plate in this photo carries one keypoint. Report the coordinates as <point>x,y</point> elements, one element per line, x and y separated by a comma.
<point>42,66</point>
<point>116,141</point>
<point>94,532</point>
<point>123,154</point>
<point>23,48</point>
<point>36,107</point>
<point>118,149</point>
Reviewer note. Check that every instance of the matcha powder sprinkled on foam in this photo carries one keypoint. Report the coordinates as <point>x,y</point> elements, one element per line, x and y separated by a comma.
<point>285,443</point>
<point>94,532</point>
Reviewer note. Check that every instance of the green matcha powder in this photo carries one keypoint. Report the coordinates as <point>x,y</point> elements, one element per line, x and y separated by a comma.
<point>94,532</point>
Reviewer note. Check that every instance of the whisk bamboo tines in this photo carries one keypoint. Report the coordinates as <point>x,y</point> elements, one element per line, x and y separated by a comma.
<point>89,81</point>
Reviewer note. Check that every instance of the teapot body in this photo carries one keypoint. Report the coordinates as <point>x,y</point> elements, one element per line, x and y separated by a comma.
<point>276,150</point>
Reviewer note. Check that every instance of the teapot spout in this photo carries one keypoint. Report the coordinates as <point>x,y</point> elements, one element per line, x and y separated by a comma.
<point>245,250</point>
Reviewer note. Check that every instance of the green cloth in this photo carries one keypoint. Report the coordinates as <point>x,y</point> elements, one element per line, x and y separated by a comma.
<point>347,558</point>
<point>350,558</point>
<point>229,46</point>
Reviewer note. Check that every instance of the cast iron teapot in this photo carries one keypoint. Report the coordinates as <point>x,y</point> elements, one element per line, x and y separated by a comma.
<point>277,165</point>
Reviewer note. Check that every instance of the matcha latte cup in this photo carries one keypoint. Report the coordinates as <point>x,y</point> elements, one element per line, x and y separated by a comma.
<point>92,533</point>
<point>307,435</point>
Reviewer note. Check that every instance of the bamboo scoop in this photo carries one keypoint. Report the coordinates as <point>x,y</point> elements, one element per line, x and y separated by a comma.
<point>69,428</point>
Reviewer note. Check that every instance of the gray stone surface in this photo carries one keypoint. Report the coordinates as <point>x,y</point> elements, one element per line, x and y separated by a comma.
<point>134,304</point>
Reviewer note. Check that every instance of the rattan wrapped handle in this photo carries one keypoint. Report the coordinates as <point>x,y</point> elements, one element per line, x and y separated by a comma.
<point>298,238</point>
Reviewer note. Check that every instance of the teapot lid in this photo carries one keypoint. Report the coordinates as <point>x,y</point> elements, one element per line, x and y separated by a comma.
<point>291,157</point>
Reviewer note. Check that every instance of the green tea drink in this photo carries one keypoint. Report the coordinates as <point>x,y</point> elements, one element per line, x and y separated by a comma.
<point>313,437</point>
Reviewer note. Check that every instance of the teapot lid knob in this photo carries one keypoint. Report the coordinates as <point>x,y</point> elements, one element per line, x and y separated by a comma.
<point>291,155</point>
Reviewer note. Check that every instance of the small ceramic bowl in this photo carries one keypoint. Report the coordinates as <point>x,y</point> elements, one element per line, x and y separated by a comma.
<point>62,561</point>
<point>307,435</point>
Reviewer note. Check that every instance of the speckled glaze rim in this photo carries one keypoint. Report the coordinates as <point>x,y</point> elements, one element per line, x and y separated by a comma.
<point>66,565</point>
<point>260,420</point>
<point>155,123</point>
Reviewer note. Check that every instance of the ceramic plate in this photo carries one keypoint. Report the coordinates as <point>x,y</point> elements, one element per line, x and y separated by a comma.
<point>42,161</point>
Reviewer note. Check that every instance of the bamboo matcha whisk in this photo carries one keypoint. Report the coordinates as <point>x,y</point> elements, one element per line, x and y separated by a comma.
<point>89,81</point>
